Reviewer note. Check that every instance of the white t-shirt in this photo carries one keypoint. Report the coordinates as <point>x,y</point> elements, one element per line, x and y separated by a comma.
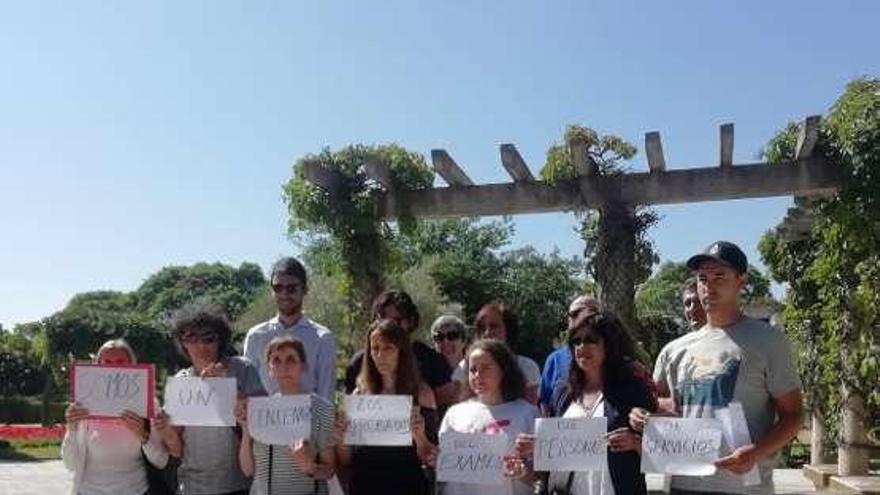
<point>472,416</point>
<point>586,482</point>
<point>529,368</point>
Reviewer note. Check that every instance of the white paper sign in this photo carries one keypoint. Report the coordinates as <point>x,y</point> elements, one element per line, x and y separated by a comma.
<point>109,390</point>
<point>200,401</point>
<point>280,419</point>
<point>686,447</point>
<point>472,458</point>
<point>570,444</point>
<point>736,434</point>
<point>378,420</point>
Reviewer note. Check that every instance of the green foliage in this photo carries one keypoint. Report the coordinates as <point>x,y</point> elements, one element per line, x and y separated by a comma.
<point>832,305</point>
<point>174,286</point>
<point>346,214</point>
<point>539,287</point>
<point>20,365</point>
<point>608,152</point>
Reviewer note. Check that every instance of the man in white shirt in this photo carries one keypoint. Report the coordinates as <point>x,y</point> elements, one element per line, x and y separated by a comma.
<point>289,287</point>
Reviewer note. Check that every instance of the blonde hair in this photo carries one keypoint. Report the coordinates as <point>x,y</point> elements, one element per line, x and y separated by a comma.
<point>112,345</point>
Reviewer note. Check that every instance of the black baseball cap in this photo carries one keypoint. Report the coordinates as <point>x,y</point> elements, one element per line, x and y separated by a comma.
<point>723,252</point>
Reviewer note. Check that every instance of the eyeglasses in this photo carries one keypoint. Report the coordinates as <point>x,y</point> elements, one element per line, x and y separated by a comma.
<point>450,336</point>
<point>203,338</point>
<point>588,339</point>
<point>288,288</point>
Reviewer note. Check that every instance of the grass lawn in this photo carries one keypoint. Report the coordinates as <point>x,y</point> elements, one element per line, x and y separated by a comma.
<point>30,450</point>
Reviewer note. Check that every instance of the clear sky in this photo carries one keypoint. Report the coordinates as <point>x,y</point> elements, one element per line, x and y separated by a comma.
<point>139,135</point>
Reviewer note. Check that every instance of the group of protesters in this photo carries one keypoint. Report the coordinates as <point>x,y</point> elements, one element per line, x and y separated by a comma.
<point>471,381</point>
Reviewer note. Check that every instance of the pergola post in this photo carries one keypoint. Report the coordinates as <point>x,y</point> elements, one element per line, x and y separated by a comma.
<point>615,260</point>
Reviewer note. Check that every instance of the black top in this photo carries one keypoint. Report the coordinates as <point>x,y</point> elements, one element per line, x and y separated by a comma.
<point>392,470</point>
<point>620,397</point>
<point>433,368</point>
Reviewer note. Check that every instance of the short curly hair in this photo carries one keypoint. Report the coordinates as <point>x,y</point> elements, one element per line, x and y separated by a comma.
<point>201,318</point>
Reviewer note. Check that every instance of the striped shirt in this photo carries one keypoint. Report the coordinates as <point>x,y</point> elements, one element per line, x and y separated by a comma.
<point>274,463</point>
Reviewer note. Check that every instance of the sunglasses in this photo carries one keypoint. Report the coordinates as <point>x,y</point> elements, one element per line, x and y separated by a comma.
<point>203,338</point>
<point>589,339</point>
<point>288,288</point>
<point>440,337</point>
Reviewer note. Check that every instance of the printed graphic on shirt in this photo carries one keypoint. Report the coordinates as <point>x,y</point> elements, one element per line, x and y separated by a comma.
<point>709,381</point>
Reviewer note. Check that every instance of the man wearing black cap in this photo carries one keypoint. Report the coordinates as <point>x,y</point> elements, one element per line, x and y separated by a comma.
<point>733,358</point>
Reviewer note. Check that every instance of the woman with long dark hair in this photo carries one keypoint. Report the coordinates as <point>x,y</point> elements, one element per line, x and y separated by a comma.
<point>389,367</point>
<point>605,380</point>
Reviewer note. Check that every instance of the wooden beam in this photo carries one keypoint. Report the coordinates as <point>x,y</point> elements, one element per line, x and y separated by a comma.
<point>515,165</point>
<point>726,148</point>
<point>654,151</point>
<point>379,171</point>
<point>580,155</point>
<point>802,177</point>
<point>321,176</point>
<point>807,136</point>
<point>449,170</point>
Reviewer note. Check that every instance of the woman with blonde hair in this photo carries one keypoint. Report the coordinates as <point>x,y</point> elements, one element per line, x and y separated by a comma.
<point>107,456</point>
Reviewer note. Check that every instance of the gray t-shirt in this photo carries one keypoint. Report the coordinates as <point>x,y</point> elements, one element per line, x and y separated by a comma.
<point>210,453</point>
<point>748,362</point>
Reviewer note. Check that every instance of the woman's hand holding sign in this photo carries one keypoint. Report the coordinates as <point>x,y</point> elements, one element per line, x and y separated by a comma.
<point>74,414</point>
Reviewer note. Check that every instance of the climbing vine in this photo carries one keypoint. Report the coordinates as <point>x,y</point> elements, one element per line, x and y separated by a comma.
<point>833,304</point>
<point>344,218</point>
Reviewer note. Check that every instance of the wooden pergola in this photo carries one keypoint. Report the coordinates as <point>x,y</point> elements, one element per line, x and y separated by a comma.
<point>614,196</point>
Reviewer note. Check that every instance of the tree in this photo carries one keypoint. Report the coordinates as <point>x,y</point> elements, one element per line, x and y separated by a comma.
<point>344,213</point>
<point>172,287</point>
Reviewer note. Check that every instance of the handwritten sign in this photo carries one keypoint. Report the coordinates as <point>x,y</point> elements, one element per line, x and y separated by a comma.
<point>280,419</point>
<point>686,447</point>
<point>378,420</point>
<point>472,458</point>
<point>200,401</point>
<point>570,444</point>
<point>107,390</point>
<point>736,434</point>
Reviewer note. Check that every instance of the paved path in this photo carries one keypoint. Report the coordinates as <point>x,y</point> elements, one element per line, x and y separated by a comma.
<point>34,478</point>
<point>50,478</point>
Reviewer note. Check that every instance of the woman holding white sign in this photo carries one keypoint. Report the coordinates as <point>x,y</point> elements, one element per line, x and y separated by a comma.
<point>209,454</point>
<point>107,455</point>
<point>605,380</point>
<point>390,369</point>
<point>497,407</point>
<point>301,468</point>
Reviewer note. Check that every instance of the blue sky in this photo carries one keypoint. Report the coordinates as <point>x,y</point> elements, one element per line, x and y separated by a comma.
<point>135,136</point>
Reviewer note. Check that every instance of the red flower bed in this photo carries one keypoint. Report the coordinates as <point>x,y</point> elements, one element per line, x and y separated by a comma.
<point>31,432</point>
